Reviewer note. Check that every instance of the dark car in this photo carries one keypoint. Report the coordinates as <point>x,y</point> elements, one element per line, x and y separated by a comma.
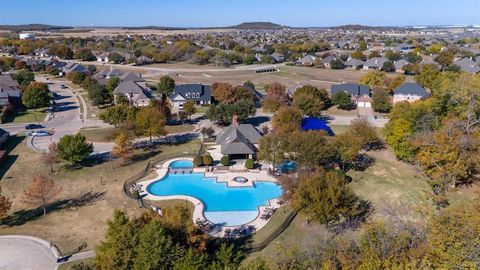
<point>33,126</point>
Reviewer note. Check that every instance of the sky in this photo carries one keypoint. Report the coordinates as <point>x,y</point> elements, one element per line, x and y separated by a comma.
<point>210,13</point>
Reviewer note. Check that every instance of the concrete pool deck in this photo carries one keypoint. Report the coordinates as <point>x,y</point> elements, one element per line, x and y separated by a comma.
<point>222,176</point>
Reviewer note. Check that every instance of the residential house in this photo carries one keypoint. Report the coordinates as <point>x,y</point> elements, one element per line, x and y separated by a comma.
<point>75,67</point>
<point>467,65</point>
<point>143,60</point>
<point>360,94</point>
<point>354,63</point>
<point>136,94</point>
<point>375,63</point>
<point>307,60</point>
<point>292,88</point>
<point>199,93</point>
<point>9,91</point>
<point>238,140</point>
<point>404,48</point>
<point>410,92</point>
<point>102,57</point>
<point>328,60</point>
<point>278,57</point>
<point>399,65</point>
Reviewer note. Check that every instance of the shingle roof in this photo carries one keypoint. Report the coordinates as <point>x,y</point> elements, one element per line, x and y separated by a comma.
<point>129,76</point>
<point>376,62</point>
<point>467,65</point>
<point>195,92</point>
<point>410,89</point>
<point>6,79</point>
<point>351,88</point>
<point>238,139</point>
<point>354,62</point>
<point>128,87</point>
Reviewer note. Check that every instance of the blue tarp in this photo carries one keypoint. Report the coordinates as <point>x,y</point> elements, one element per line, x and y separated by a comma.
<point>311,123</point>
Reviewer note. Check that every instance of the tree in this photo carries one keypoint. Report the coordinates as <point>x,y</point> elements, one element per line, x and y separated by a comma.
<point>156,249</point>
<point>116,58</point>
<point>367,134</point>
<point>82,266</point>
<point>5,205</point>
<point>393,56</point>
<point>310,148</point>
<point>51,155</point>
<point>98,94</point>
<point>249,164</point>
<point>74,148</point>
<point>116,115</point>
<point>19,64</point>
<point>445,58</point>
<point>374,54</point>
<point>123,145</point>
<point>85,55</point>
<point>76,77</point>
<point>394,83</point>
<point>358,55</point>
<point>276,97</point>
<point>343,100</point>
<point>117,251</point>
<point>35,96</point>
<point>373,79</point>
<point>381,101</point>
<point>200,57</point>
<point>41,192</point>
<point>226,257</point>
<point>150,121</point>
<point>337,64</point>
<point>427,76</point>
<point>198,161</point>
<point>273,148</point>
<point>111,84</point>
<point>225,160</point>
<point>207,160</point>
<point>165,86</point>
<point>24,77</point>
<point>61,51</point>
<point>224,112</point>
<point>347,146</point>
<point>388,66</point>
<point>189,108</point>
<point>223,93</point>
<point>454,237</point>
<point>397,134</point>
<point>287,119</point>
<point>207,131</point>
<point>310,100</point>
<point>325,198</point>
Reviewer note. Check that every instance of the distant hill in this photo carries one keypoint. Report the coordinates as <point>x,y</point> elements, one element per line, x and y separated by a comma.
<point>32,27</point>
<point>258,25</point>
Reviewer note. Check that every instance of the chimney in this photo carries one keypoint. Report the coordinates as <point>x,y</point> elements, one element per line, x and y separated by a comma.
<point>235,120</point>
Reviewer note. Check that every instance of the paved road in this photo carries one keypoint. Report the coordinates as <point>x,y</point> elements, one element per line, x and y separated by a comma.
<point>18,253</point>
<point>66,118</point>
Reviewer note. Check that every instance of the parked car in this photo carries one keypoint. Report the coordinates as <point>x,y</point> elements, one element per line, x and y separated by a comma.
<point>33,126</point>
<point>41,133</point>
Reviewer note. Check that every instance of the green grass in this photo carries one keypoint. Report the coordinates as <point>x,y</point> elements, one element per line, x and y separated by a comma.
<point>179,129</point>
<point>339,129</point>
<point>69,265</point>
<point>336,111</point>
<point>99,134</point>
<point>27,116</point>
<point>202,109</point>
<point>273,224</point>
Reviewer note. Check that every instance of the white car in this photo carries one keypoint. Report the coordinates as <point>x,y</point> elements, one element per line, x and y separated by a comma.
<point>40,133</point>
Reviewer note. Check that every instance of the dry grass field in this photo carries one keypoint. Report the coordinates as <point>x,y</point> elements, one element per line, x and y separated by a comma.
<point>87,199</point>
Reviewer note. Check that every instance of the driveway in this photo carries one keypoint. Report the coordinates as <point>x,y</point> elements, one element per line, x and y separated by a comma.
<point>26,253</point>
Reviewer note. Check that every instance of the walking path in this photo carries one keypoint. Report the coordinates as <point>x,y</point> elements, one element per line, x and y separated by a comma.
<point>18,252</point>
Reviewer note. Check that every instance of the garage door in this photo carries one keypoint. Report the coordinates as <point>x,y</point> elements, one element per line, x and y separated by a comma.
<point>361,104</point>
<point>368,104</point>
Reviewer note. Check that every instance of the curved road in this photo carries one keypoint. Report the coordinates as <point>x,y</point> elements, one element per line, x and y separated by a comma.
<point>26,253</point>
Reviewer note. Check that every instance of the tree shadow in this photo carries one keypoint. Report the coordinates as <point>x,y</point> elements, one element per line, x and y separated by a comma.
<point>363,162</point>
<point>21,217</point>
<point>9,160</point>
<point>362,210</point>
<point>257,120</point>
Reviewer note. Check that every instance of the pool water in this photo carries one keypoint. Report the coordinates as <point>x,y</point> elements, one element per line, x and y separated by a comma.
<point>181,164</point>
<point>229,206</point>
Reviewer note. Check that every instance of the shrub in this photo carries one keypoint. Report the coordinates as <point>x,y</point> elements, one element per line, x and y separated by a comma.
<point>198,161</point>
<point>207,160</point>
<point>225,161</point>
<point>249,164</point>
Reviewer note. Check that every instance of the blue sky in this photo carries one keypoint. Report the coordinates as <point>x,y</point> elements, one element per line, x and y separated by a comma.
<point>201,13</point>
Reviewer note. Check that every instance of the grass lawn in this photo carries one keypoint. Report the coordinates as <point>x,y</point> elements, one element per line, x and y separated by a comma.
<point>179,129</point>
<point>336,111</point>
<point>27,116</point>
<point>96,188</point>
<point>99,134</point>
<point>273,224</point>
<point>202,109</point>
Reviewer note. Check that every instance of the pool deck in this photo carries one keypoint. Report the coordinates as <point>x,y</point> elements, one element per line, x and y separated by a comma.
<point>222,176</point>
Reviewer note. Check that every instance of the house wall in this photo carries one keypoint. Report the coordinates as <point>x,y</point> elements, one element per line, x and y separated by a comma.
<point>402,97</point>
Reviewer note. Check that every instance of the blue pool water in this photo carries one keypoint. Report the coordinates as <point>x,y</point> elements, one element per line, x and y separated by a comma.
<point>225,205</point>
<point>181,164</point>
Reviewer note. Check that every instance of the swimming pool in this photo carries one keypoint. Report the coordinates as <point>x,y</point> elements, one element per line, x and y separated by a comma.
<point>230,206</point>
<point>181,164</point>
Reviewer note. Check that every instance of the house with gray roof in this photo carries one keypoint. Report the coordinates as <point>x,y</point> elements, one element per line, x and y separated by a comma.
<point>238,140</point>
<point>400,64</point>
<point>75,67</point>
<point>136,94</point>
<point>201,94</point>
<point>360,94</point>
<point>9,91</point>
<point>375,63</point>
<point>410,92</point>
<point>354,63</point>
<point>468,65</point>
<point>307,60</point>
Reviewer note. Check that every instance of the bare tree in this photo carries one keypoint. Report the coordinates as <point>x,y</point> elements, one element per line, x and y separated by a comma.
<point>5,204</point>
<point>51,155</point>
<point>41,191</point>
